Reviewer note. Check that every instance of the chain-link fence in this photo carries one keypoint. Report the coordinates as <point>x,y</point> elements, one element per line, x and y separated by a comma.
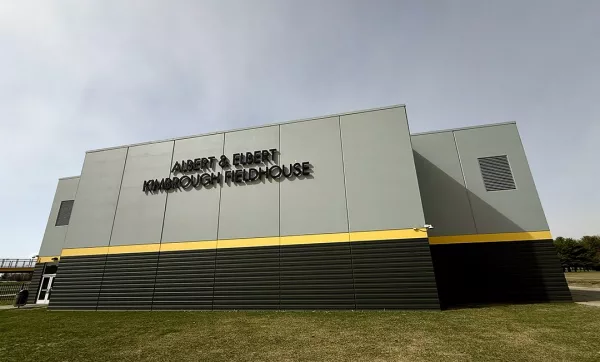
<point>9,290</point>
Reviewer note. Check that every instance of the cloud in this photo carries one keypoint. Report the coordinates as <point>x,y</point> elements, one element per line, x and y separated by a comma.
<point>80,75</point>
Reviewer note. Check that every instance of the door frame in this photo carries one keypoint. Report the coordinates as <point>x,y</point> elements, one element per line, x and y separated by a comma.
<point>46,298</point>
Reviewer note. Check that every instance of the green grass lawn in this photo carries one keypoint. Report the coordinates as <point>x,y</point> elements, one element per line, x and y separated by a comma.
<point>584,279</point>
<point>541,332</point>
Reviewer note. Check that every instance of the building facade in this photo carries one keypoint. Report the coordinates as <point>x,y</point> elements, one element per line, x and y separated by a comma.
<point>347,211</point>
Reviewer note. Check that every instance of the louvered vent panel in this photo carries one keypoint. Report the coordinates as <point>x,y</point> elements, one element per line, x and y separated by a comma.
<point>64,213</point>
<point>496,173</point>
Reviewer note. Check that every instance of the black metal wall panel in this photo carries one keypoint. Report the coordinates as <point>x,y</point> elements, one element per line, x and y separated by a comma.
<point>34,285</point>
<point>128,282</point>
<point>394,274</point>
<point>185,280</point>
<point>77,283</point>
<point>317,276</point>
<point>498,272</point>
<point>247,278</point>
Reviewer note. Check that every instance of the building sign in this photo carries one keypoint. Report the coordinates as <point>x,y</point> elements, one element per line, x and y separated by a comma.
<point>198,172</point>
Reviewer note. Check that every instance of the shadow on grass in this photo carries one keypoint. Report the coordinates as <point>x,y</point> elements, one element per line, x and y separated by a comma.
<point>502,304</point>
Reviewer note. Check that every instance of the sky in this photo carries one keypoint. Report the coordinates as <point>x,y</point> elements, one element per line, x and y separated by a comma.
<point>81,75</point>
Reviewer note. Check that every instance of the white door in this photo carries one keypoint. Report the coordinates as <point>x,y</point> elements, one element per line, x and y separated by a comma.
<point>45,289</point>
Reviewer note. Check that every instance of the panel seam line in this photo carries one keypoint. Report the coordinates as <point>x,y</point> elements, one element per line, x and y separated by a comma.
<point>347,211</point>
<point>279,247</point>
<point>462,171</point>
<point>212,302</point>
<point>112,228</point>
<point>162,229</point>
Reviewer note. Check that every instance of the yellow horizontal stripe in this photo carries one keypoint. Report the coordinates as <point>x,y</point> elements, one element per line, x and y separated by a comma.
<point>250,242</point>
<point>98,250</point>
<point>315,239</point>
<point>388,234</point>
<point>489,238</point>
<point>188,245</point>
<point>244,243</point>
<point>47,259</point>
<point>303,239</point>
<point>139,248</point>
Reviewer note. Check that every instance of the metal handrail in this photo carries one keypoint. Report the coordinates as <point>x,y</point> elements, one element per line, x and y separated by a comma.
<point>17,263</point>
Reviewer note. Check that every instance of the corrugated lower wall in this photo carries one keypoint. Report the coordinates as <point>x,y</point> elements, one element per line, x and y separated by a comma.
<point>128,282</point>
<point>247,278</point>
<point>185,280</point>
<point>78,282</point>
<point>393,274</point>
<point>317,277</point>
<point>499,272</point>
<point>34,286</point>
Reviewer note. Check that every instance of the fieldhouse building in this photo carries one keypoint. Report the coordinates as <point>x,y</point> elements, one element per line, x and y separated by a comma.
<point>325,213</point>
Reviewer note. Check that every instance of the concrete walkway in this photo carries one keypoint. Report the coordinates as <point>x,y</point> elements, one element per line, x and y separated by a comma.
<point>586,295</point>
<point>28,306</point>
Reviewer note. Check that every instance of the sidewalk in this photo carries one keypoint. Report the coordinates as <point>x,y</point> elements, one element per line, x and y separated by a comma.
<point>27,306</point>
<point>585,295</point>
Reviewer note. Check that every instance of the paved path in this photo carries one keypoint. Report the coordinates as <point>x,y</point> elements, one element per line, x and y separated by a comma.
<point>28,306</point>
<point>586,295</point>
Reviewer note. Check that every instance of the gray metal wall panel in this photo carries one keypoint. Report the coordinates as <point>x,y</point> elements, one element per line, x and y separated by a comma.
<point>194,214</point>
<point>140,215</point>
<point>315,204</point>
<point>96,201</point>
<point>381,181</point>
<point>442,186</point>
<point>54,236</point>
<point>249,211</point>
<point>500,211</point>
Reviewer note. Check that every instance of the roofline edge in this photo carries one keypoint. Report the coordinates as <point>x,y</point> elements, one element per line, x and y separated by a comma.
<point>248,128</point>
<point>464,128</point>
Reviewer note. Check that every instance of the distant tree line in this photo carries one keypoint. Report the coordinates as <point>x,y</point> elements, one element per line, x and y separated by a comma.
<point>15,277</point>
<point>579,254</point>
